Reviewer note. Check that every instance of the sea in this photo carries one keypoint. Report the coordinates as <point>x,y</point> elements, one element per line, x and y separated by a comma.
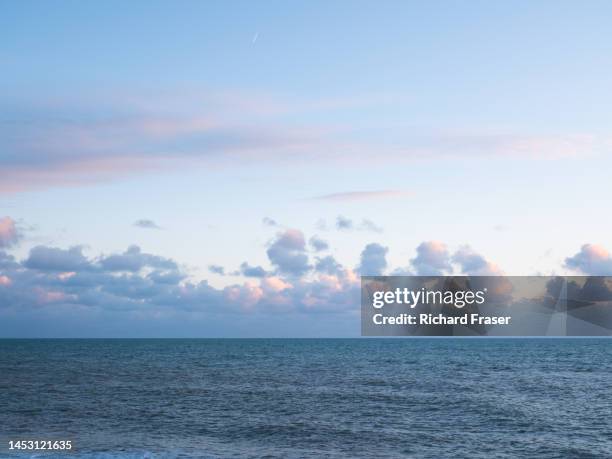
<point>309,398</point>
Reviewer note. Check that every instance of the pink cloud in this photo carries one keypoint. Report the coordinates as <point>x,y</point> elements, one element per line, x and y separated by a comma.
<point>275,284</point>
<point>9,234</point>
<point>52,296</point>
<point>246,295</point>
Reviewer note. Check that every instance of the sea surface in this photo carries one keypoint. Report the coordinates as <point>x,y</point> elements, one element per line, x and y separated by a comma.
<point>293,398</point>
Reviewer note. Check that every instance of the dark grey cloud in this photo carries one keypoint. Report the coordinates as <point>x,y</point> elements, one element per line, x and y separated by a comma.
<point>134,287</point>
<point>288,253</point>
<point>55,259</point>
<point>328,265</point>
<point>432,259</point>
<point>318,244</point>
<point>217,269</point>
<point>146,224</point>
<point>7,261</point>
<point>343,223</point>
<point>133,259</point>
<point>252,271</point>
<point>594,289</point>
<point>373,260</point>
<point>592,259</point>
<point>584,290</point>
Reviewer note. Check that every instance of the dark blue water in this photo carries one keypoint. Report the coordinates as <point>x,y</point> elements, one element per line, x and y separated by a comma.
<point>432,398</point>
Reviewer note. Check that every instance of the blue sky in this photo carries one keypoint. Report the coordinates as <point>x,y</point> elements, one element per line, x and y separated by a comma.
<point>426,127</point>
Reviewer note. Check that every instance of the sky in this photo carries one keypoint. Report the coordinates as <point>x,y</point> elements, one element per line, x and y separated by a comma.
<point>232,168</point>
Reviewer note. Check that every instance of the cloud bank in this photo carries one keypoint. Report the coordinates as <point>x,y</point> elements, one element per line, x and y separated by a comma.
<point>68,283</point>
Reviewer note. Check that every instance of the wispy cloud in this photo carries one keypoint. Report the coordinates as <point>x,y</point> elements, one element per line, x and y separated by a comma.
<point>146,224</point>
<point>267,221</point>
<point>89,145</point>
<point>347,224</point>
<point>364,195</point>
<point>80,144</point>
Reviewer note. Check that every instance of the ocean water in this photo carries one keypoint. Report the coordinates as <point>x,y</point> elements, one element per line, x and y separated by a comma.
<point>384,398</point>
